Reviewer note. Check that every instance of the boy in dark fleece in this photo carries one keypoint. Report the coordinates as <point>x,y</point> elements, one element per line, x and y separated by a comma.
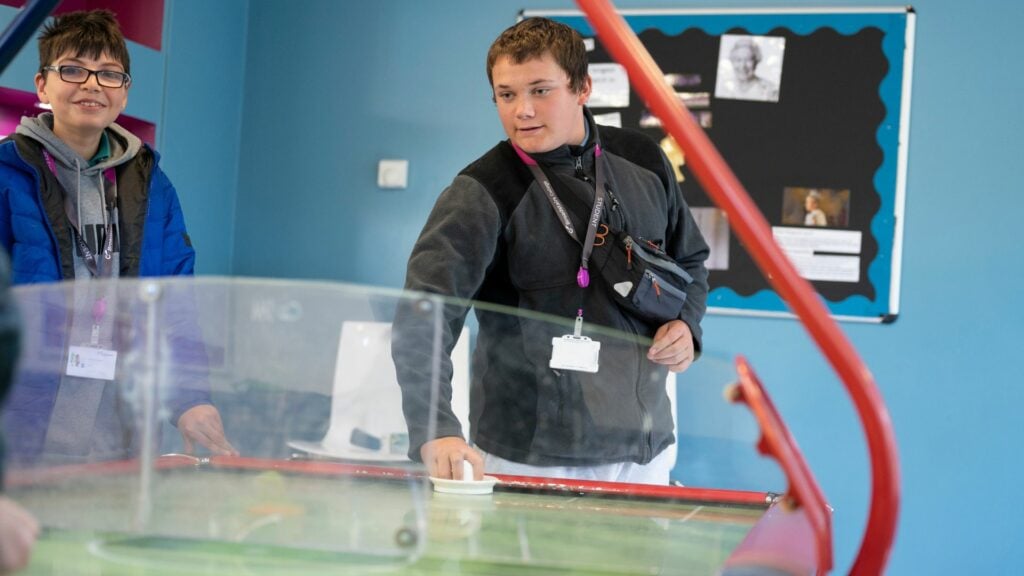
<point>500,234</point>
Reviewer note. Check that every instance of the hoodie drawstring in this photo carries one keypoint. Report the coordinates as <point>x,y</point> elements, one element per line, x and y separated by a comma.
<point>108,242</point>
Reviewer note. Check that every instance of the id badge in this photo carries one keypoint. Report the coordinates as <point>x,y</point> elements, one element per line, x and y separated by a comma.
<point>90,362</point>
<point>572,352</point>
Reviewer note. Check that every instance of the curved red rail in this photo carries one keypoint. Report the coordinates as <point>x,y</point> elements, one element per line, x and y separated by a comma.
<point>751,227</point>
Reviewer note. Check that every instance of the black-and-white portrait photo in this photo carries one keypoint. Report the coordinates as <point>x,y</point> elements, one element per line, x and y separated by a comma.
<point>750,67</point>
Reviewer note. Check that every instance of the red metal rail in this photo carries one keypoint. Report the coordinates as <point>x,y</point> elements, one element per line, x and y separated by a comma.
<point>752,229</point>
<point>628,490</point>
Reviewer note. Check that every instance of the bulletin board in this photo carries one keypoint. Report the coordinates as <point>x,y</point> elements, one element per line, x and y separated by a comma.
<point>810,108</point>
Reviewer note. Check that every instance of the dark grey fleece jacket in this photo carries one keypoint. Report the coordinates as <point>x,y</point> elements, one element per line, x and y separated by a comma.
<point>493,237</point>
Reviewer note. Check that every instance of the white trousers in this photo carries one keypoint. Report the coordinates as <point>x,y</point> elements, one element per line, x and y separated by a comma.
<point>655,472</point>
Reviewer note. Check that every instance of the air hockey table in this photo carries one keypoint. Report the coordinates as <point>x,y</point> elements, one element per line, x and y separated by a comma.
<point>235,515</point>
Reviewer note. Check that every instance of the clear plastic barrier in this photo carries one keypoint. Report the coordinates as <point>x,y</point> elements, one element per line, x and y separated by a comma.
<point>107,368</point>
<point>322,391</point>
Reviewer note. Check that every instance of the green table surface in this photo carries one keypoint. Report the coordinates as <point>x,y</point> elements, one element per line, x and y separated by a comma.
<point>228,522</point>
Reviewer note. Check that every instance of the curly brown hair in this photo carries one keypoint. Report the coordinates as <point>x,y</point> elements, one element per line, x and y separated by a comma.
<point>532,38</point>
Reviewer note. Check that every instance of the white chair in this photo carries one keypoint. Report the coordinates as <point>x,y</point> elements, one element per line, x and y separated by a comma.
<point>366,405</point>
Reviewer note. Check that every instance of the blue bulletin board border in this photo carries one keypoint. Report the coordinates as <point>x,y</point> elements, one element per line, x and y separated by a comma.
<point>897,25</point>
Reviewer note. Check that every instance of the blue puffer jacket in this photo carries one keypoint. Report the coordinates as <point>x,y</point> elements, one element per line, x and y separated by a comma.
<point>153,242</point>
<point>153,238</point>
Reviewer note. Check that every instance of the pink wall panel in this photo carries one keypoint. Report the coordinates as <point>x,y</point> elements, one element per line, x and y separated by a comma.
<point>142,21</point>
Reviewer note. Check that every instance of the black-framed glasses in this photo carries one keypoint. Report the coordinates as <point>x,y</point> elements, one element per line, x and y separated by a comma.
<point>79,75</point>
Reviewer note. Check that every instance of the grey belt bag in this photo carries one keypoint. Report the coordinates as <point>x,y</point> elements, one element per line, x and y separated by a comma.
<point>644,279</point>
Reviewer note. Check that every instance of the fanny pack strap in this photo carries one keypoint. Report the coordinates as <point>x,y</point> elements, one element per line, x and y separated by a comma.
<point>583,274</point>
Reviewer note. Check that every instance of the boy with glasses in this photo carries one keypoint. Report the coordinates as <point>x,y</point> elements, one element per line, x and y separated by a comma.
<point>83,198</point>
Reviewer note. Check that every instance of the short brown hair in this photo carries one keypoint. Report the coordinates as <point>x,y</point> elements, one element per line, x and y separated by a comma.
<point>90,33</point>
<point>532,38</point>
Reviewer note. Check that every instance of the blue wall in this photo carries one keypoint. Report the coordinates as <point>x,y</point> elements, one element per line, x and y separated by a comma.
<point>199,130</point>
<point>356,82</point>
<point>330,87</point>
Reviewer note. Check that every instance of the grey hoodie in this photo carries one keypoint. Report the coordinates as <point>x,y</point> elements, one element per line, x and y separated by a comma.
<point>84,186</point>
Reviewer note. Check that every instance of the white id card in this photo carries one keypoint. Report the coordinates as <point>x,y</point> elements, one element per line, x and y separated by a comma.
<point>572,352</point>
<point>89,362</point>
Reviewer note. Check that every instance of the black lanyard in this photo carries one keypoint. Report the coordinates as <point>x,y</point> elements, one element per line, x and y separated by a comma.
<point>108,230</point>
<point>583,275</point>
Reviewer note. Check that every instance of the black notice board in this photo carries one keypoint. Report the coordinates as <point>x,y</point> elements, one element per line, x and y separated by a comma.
<point>817,134</point>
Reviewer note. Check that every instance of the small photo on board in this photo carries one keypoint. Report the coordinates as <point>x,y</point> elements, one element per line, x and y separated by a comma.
<point>682,80</point>
<point>608,119</point>
<point>694,99</point>
<point>648,120</point>
<point>674,154</point>
<point>818,207</point>
<point>714,226</point>
<point>750,67</point>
